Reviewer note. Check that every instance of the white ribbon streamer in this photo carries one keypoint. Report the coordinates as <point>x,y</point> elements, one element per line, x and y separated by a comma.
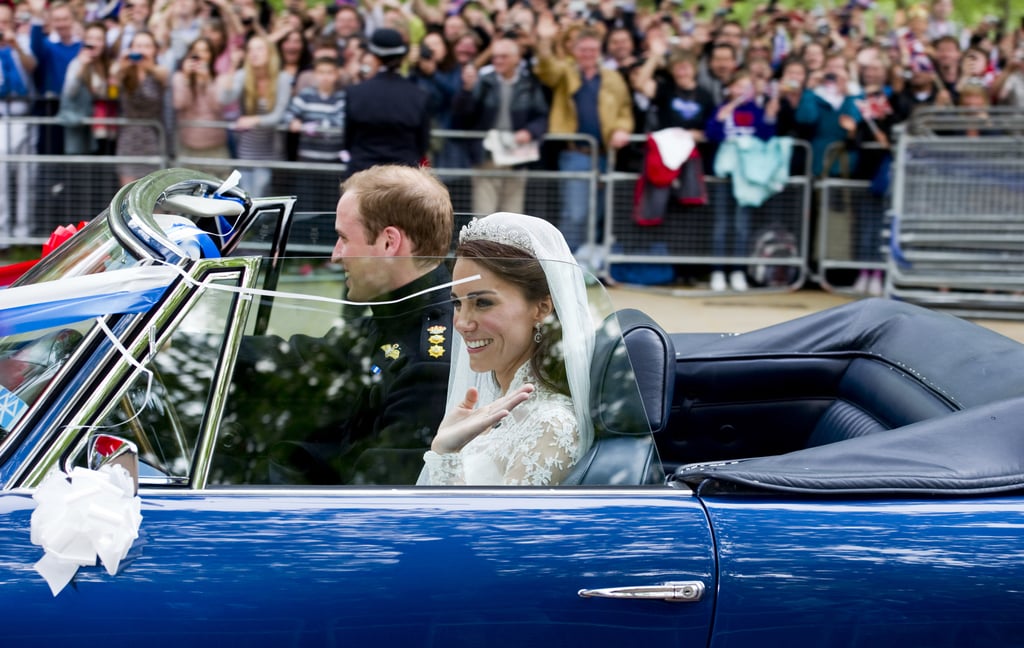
<point>83,515</point>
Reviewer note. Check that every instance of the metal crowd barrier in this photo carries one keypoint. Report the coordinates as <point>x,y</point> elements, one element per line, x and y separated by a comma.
<point>81,186</point>
<point>957,234</point>
<point>997,121</point>
<point>851,222</point>
<point>543,189</point>
<point>39,192</point>
<point>685,236</point>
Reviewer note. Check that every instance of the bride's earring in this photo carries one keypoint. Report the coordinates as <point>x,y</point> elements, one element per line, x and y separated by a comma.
<point>537,337</point>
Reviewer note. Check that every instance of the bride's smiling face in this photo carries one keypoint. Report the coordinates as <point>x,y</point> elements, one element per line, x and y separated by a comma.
<point>495,320</point>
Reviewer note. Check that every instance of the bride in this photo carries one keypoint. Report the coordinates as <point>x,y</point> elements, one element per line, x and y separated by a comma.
<point>518,393</point>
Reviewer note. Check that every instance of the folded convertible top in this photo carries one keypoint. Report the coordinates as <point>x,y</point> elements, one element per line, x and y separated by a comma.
<point>977,450</point>
<point>967,363</point>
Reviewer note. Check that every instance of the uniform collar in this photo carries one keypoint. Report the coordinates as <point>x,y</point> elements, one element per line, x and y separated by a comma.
<point>436,277</point>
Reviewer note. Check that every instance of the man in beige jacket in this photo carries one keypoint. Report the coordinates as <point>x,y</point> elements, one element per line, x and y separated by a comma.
<point>587,100</point>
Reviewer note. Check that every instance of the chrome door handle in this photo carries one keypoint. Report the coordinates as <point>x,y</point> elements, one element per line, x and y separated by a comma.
<point>679,592</point>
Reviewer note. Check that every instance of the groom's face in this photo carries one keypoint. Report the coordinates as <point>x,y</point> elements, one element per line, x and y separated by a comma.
<point>369,275</point>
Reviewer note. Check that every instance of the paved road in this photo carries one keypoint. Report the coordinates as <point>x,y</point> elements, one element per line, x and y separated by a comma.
<point>694,311</point>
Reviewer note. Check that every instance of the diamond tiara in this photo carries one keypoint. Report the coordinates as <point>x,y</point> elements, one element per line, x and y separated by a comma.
<point>484,229</point>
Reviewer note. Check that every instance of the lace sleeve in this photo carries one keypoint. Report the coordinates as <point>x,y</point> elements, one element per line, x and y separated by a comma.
<point>546,455</point>
<point>537,445</point>
<point>444,469</point>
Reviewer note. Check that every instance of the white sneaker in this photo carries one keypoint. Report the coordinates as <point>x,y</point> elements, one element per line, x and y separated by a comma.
<point>718,281</point>
<point>875,288</point>
<point>738,280</point>
<point>861,285</point>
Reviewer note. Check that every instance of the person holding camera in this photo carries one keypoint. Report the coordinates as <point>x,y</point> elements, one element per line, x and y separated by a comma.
<point>437,72</point>
<point>829,112</point>
<point>85,85</point>
<point>142,86</point>
<point>133,17</point>
<point>196,99</point>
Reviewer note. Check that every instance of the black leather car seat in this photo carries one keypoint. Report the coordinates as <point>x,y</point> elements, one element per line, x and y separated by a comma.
<point>874,397</point>
<point>625,420</point>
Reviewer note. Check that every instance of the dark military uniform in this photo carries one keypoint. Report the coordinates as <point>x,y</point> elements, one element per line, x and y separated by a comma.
<point>410,345</point>
<point>358,405</point>
<point>386,122</point>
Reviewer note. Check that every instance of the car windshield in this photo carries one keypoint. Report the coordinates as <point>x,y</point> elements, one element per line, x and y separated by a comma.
<point>42,327</point>
<point>332,393</point>
<point>90,251</point>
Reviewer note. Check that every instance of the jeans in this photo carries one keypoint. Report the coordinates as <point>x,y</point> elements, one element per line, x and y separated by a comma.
<point>15,139</point>
<point>255,180</point>
<point>576,200</point>
<point>868,228</point>
<point>739,223</point>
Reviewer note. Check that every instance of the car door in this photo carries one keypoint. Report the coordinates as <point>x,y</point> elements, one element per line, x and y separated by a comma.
<point>899,572</point>
<point>431,567</point>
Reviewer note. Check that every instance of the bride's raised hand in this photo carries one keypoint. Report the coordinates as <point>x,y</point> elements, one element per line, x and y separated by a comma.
<point>467,421</point>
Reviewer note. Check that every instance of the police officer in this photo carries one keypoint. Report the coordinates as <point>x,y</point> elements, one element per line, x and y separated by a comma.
<point>387,120</point>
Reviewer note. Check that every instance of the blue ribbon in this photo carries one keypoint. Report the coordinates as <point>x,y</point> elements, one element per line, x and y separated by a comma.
<point>35,317</point>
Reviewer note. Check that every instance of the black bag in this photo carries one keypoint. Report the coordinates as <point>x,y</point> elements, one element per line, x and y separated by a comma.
<point>774,242</point>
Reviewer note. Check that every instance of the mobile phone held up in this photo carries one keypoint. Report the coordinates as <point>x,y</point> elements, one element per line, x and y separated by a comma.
<point>134,57</point>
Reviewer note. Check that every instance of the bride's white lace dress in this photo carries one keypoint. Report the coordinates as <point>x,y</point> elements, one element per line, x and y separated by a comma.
<point>535,445</point>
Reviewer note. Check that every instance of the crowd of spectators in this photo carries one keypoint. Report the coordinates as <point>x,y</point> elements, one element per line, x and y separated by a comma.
<point>278,79</point>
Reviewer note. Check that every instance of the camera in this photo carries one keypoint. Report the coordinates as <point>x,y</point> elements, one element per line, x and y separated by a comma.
<point>830,77</point>
<point>135,57</point>
<point>426,54</point>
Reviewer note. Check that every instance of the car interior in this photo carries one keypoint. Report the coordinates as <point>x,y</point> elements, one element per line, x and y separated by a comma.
<point>869,367</point>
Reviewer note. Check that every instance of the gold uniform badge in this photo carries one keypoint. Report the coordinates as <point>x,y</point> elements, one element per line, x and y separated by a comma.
<point>391,351</point>
<point>436,339</point>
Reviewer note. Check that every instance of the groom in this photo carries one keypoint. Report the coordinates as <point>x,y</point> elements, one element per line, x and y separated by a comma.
<point>370,393</point>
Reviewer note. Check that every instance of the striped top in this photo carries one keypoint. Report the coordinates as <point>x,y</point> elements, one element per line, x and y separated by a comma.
<point>264,142</point>
<point>322,137</point>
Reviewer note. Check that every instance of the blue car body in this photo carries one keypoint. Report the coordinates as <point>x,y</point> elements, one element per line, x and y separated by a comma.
<point>851,478</point>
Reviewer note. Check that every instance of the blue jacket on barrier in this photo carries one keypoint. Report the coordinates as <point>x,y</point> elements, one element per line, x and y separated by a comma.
<point>759,168</point>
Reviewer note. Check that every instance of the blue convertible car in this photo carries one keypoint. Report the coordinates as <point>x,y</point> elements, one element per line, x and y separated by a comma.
<point>854,477</point>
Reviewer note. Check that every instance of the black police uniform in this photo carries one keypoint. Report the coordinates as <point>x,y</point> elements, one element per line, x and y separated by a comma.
<point>386,122</point>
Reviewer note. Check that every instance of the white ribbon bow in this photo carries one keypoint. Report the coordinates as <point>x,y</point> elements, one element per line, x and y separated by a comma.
<point>83,515</point>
